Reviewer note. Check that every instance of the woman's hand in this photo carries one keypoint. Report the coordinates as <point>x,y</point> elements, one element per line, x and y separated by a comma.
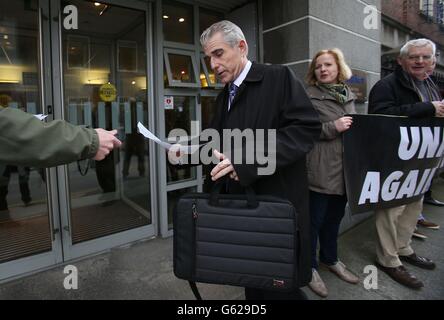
<point>343,124</point>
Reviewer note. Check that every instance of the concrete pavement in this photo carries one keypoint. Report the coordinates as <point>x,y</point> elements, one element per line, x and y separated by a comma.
<point>144,271</point>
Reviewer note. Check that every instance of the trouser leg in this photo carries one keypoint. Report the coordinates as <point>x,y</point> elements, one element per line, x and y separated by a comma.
<point>387,236</point>
<point>406,226</point>
<point>328,235</point>
<point>318,209</point>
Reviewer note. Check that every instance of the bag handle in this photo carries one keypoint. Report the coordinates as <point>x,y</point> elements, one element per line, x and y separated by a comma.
<point>195,290</point>
<point>217,187</point>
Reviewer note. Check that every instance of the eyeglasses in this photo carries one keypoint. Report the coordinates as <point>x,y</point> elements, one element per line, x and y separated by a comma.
<point>418,58</point>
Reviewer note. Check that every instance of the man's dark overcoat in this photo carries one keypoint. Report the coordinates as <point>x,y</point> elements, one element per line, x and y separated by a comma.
<point>271,97</point>
<point>395,95</point>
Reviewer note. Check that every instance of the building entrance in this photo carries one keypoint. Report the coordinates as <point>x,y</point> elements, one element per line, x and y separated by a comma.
<point>93,71</point>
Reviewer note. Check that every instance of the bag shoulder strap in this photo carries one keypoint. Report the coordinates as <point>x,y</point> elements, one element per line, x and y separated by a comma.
<point>195,290</point>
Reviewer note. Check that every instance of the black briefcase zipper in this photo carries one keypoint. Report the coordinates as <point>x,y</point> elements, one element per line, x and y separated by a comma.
<point>192,283</point>
<point>194,211</point>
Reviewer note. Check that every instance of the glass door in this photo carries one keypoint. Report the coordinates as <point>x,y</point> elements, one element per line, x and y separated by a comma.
<point>104,84</point>
<point>29,215</point>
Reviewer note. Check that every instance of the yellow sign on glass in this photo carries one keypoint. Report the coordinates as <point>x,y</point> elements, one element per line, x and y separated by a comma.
<point>108,92</point>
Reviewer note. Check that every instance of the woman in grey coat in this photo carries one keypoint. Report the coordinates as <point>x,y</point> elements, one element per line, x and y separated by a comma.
<point>333,100</point>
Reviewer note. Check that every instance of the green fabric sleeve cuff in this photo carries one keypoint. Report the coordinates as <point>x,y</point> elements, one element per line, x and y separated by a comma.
<point>94,144</point>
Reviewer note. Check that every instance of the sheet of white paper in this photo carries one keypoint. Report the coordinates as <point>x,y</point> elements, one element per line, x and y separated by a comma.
<point>145,132</point>
<point>40,116</point>
<point>148,134</point>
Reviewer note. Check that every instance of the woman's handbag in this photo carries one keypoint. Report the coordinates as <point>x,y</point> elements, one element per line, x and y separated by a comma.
<point>239,240</point>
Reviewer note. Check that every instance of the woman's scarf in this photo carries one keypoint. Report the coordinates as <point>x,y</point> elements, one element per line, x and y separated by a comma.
<point>337,91</point>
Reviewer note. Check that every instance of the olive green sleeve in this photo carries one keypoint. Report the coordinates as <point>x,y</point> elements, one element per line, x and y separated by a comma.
<point>27,141</point>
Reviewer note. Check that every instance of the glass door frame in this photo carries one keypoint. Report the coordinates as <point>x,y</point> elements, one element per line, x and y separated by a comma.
<point>193,91</point>
<point>31,264</point>
<point>71,251</point>
<point>189,183</point>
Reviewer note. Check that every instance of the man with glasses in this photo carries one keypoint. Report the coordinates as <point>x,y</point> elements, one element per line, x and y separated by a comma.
<point>408,91</point>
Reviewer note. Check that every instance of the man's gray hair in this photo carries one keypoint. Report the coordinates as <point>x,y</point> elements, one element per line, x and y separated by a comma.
<point>417,43</point>
<point>231,33</point>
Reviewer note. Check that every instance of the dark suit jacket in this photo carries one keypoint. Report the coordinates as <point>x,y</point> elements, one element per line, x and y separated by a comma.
<point>271,97</point>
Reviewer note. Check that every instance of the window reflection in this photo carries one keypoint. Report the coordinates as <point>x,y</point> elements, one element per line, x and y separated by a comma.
<point>208,105</point>
<point>127,52</point>
<point>180,117</point>
<point>182,70</point>
<point>78,51</point>
<point>178,22</point>
<point>105,85</point>
<point>24,215</point>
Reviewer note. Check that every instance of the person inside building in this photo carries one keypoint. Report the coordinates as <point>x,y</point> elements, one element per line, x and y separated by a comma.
<point>27,141</point>
<point>405,92</point>
<point>334,101</point>
<point>23,176</point>
<point>266,97</point>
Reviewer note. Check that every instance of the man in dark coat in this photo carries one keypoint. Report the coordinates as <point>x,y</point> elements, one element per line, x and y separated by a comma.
<point>406,92</point>
<point>263,97</point>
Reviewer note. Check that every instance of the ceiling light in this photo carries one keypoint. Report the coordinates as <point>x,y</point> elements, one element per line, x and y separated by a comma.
<point>5,37</point>
<point>166,17</point>
<point>181,20</point>
<point>183,72</point>
<point>134,82</point>
<point>97,4</point>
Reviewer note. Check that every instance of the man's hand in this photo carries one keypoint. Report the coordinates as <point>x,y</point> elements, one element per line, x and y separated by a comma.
<point>107,142</point>
<point>343,124</point>
<point>223,168</point>
<point>439,108</point>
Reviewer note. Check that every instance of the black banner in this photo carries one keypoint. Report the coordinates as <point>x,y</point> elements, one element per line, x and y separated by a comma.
<point>390,161</point>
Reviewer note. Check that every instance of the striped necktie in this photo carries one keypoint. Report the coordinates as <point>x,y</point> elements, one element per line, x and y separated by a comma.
<point>232,91</point>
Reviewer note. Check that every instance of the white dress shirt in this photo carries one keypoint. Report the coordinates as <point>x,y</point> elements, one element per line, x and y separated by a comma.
<point>241,78</point>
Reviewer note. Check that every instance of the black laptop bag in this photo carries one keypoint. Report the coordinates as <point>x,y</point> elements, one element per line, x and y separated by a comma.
<point>239,240</point>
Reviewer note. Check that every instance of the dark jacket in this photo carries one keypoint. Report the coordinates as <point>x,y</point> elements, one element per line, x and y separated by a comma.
<point>395,95</point>
<point>271,97</point>
<point>324,162</point>
<point>27,141</point>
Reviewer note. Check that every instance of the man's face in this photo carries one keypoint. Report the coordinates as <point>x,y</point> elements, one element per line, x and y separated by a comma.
<point>418,61</point>
<point>226,62</point>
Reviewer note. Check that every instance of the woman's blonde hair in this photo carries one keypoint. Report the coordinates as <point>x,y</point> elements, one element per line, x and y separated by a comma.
<point>344,71</point>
